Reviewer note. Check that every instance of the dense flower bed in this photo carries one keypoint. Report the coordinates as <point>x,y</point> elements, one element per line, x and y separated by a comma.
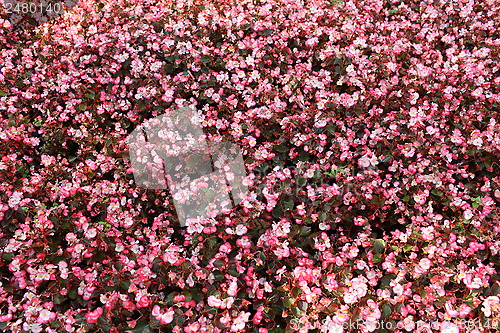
<point>371,134</point>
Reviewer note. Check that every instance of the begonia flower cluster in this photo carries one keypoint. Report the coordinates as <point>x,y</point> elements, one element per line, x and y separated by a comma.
<point>370,131</point>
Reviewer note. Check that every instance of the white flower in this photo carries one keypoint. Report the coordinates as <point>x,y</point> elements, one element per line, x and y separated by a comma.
<point>91,233</point>
<point>119,247</point>
<point>128,222</point>
<point>364,162</point>
<point>241,230</point>
<point>478,142</point>
<point>398,289</point>
<point>15,199</point>
<point>349,298</point>
<point>251,141</point>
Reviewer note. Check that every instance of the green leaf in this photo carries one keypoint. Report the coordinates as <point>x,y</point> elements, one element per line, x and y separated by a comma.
<point>296,311</point>
<point>73,293</point>
<point>141,326</point>
<point>322,216</point>
<point>233,271</point>
<point>301,181</point>
<point>3,93</point>
<point>407,248</point>
<point>187,295</point>
<point>245,26</point>
<point>386,310</point>
<point>218,276</point>
<point>168,68</point>
<point>495,289</point>
<point>386,280</point>
<point>90,95</point>
<point>125,284</point>
<point>288,205</point>
<point>281,148</point>
<point>268,32</point>
<point>8,256</point>
<point>303,305</point>
<point>277,212</point>
<point>478,200</point>
<point>277,329</point>
<point>58,299</point>
<point>437,192</point>
<point>197,295</point>
<point>303,156</point>
<point>205,59</point>
<point>377,258</point>
<point>379,246</point>
<point>305,231</point>
<point>288,301</point>
<point>218,263</point>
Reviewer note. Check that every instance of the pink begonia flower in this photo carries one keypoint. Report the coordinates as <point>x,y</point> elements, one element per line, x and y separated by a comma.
<point>244,242</point>
<point>45,316</point>
<point>156,312</point>
<point>359,286</point>
<point>349,297</point>
<point>179,298</point>
<point>364,162</point>
<point>331,326</point>
<point>171,254</point>
<point>239,322</point>
<point>464,310</point>
<point>450,311</point>
<point>7,317</point>
<point>225,319</point>
<point>241,230</point>
<point>340,318</point>
<point>233,289</point>
<point>425,263</point>
<point>93,316</point>
<point>91,233</point>
<point>167,317</point>
<point>423,266</point>
<point>468,214</point>
<point>375,313</point>
<point>421,197</point>
<point>491,305</point>
<point>191,328</point>
<point>408,324</point>
<point>431,130</point>
<point>398,289</point>
<point>225,248</point>
<point>143,302</point>
<point>214,301</point>
<point>472,283</point>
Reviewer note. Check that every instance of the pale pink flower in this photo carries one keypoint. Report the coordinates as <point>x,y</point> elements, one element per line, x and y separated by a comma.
<point>45,316</point>
<point>214,301</point>
<point>167,317</point>
<point>491,305</point>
